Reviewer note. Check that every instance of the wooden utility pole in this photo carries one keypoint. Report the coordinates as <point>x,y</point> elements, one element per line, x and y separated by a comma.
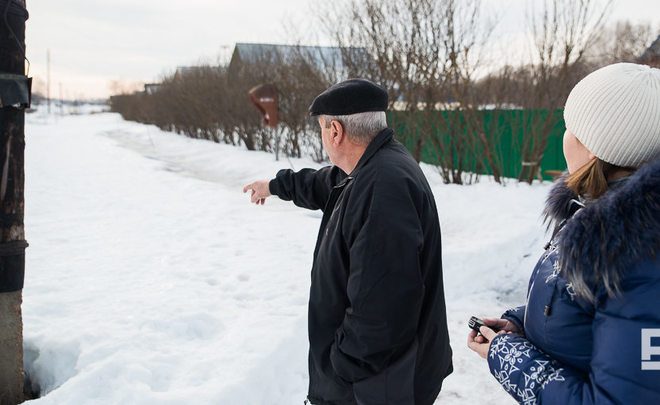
<point>12,176</point>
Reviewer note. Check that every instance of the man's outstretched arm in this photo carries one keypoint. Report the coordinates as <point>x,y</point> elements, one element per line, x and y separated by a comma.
<point>307,188</point>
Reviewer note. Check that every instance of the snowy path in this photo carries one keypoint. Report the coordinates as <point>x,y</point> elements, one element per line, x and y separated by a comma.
<point>150,279</point>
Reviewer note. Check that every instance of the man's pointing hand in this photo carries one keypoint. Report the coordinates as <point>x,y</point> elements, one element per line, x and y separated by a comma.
<point>260,191</point>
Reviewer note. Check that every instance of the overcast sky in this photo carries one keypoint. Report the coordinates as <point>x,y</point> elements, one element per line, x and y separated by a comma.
<point>95,42</point>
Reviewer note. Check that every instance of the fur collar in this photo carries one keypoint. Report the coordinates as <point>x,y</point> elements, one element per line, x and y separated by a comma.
<point>610,234</point>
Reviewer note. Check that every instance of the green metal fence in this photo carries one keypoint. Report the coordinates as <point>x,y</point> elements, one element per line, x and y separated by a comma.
<point>505,131</point>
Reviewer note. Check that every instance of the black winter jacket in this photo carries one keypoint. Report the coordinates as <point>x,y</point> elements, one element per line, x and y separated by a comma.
<point>377,320</point>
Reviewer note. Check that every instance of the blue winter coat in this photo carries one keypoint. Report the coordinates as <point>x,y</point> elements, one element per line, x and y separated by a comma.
<point>575,350</point>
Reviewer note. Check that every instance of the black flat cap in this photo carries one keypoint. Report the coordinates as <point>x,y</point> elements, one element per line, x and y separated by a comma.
<point>350,97</point>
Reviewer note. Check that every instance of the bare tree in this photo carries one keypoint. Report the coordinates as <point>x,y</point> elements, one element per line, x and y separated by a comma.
<point>624,42</point>
<point>424,52</point>
<point>562,32</point>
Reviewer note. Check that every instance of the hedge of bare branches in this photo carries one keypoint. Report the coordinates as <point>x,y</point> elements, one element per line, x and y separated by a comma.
<point>210,102</point>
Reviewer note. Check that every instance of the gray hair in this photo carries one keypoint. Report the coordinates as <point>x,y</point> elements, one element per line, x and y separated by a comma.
<point>361,127</point>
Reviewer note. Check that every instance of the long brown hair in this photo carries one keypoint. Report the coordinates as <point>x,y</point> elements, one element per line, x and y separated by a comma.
<point>591,179</point>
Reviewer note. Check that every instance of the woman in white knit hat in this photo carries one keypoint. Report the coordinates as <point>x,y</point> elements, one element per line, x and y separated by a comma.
<point>590,330</point>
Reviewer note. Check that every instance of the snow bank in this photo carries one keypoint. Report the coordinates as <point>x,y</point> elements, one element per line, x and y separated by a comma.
<point>151,279</point>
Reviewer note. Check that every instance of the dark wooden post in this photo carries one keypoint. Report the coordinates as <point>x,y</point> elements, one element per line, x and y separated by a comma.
<point>12,234</point>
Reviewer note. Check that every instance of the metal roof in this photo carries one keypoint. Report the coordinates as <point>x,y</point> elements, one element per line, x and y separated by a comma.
<point>319,56</point>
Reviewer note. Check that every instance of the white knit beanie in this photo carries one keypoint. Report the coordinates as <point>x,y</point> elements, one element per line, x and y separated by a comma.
<point>615,113</point>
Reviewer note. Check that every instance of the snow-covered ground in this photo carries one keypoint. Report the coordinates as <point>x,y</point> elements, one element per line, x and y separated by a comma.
<point>150,279</point>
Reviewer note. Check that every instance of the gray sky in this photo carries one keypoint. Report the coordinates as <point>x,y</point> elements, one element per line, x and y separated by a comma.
<point>95,42</point>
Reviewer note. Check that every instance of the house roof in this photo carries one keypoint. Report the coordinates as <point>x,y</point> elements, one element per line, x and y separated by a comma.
<point>319,56</point>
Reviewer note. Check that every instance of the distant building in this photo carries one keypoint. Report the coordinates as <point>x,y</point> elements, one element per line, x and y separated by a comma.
<point>190,70</point>
<point>328,59</point>
<point>181,70</point>
<point>151,88</point>
<point>651,56</point>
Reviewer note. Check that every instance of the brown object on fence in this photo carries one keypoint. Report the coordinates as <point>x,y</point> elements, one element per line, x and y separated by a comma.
<point>264,97</point>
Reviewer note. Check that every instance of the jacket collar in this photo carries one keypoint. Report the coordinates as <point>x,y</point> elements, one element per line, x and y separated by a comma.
<point>612,233</point>
<point>378,142</point>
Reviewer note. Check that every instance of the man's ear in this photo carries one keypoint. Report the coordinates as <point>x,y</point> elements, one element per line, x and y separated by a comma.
<point>336,132</point>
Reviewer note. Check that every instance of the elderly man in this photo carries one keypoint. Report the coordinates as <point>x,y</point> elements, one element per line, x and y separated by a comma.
<point>377,322</point>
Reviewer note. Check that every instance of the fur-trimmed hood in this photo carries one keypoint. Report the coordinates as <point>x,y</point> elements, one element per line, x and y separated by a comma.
<point>610,234</point>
